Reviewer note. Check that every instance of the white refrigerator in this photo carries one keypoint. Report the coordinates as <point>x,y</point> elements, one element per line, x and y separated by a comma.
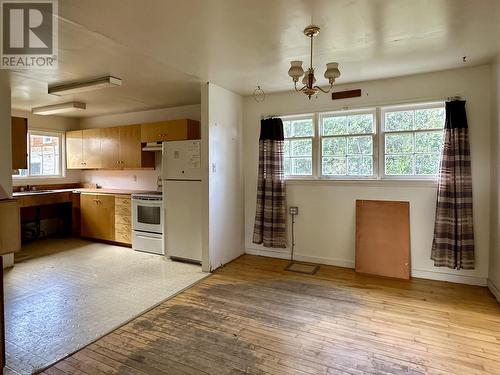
<point>181,181</point>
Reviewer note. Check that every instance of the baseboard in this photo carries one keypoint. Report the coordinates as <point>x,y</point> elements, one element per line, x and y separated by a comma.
<point>271,253</point>
<point>449,277</point>
<point>494,290</point>
<point>285,254</point>
<point>424,274</point>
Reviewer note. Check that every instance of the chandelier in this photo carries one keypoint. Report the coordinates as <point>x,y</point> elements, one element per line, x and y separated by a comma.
<point>296,71</point>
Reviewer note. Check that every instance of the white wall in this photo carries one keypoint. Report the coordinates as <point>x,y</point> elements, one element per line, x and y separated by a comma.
<point>494,272</point>
<point>223,121</point>
<point>134,179</point>
<point>5,135</point>
<point>53,123</point>
<point>325,227</point>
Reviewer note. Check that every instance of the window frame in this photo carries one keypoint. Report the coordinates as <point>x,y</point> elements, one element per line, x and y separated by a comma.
<point>314,172</point>
<point>374,135</point>
<point>378,139</point>
<point>381,151</point>
<point>62,155</point>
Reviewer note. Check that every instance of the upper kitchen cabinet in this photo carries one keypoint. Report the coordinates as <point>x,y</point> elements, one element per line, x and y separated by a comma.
<point>174,130</point>
<point>19,139</point>
<point>110,148</point>
<point>122,148</point>
<point>83,149</point>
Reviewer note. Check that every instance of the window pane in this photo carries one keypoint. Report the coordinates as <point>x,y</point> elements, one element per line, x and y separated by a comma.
<point>334,125</point>
<point>301,147</point>
<point>302,166</point>
<point>359,165</point>
<point>288,166</point>
<point>334,146</point>
<point>334,166</point>
<point>432,118</point>
<point>287,128</point>
<point>44,157</point>
<point>359,124</point>
<point>303,128</point>
<point>360,145</point>
<point>428,141</point>
<point>399,164</point>
<point>399,120</point>
<point>399,143</point>
<point>286,148</point>
<point>427,164</point>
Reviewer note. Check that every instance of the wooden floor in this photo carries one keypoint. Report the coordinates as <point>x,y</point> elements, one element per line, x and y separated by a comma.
<point>253,317</point>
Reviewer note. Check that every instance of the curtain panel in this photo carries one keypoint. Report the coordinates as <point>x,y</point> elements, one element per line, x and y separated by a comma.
<point>270,215</point>
<point>453,243</point>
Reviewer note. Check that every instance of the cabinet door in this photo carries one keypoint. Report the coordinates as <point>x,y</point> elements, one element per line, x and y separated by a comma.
<point>130,146</point>
<point>91,146</point>
<point>10,227</point>
<point>106,219</point>
<point>74,156</point>
<point>175,130</point>
<point>97,216</point>
<point>19,140</point>
<point>110,148</point>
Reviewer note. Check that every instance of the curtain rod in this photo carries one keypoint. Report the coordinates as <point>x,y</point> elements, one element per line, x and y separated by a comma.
<point>371,105</point>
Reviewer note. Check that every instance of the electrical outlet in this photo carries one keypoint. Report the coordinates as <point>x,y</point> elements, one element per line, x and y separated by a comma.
<point>293,210</point>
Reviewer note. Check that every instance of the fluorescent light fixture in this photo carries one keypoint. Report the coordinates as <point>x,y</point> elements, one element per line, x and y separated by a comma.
<point>82,86</point>
<point>58,108</point>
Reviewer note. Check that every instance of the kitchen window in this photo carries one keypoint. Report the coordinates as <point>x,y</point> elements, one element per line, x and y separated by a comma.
<point>44,155</point>
<point>393,142</point>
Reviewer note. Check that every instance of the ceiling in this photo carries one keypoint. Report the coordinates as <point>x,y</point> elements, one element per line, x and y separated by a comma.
<point>163,49</point>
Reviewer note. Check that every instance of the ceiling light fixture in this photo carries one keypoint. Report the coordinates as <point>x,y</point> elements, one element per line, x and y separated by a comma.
<point>58,108</point>
<point>296,71</point>
<point>82,86</point>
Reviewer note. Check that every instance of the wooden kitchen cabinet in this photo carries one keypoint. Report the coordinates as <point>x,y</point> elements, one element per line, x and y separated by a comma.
<point>97,216</point>
<point>19,139</point>
<point>174,130</point>
<point>74,149</point>
<point>10,226</point>
<point>110,148</point>
<point>123,219</point>
<point>91,148</point>
<point>83,149</point>
<point>130,147</point>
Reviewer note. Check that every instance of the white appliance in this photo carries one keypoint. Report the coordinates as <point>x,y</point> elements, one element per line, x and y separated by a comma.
<point>147,222</point>
<point>182,191</point>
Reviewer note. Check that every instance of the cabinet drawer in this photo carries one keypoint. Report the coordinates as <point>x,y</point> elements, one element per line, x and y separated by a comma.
<point>123,211</point>
<point>122,201</point>
<point>121,219</point>
<point>123,233</point>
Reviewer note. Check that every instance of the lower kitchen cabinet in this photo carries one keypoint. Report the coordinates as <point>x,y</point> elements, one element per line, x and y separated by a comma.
<point>106,217</point>
<point>97,215</point>
<point>123,220</point>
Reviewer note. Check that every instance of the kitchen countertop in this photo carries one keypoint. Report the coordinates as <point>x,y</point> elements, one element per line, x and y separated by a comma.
<point>79,190</point>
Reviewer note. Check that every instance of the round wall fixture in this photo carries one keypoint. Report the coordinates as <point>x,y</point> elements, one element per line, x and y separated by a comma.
<point>259,95</point>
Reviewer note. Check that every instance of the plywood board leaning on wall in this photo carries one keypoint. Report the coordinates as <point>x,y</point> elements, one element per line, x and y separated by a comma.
<point>383,238</point>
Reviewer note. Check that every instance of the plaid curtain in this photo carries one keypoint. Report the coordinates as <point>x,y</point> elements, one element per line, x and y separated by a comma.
<point>270,216</point>
<point>453,244</point>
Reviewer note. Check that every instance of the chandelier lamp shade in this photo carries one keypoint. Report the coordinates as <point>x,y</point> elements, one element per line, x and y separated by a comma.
<point>309,81</point>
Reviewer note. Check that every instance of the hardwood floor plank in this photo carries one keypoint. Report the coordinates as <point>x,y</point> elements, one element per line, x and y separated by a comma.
<point>253,317</point>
